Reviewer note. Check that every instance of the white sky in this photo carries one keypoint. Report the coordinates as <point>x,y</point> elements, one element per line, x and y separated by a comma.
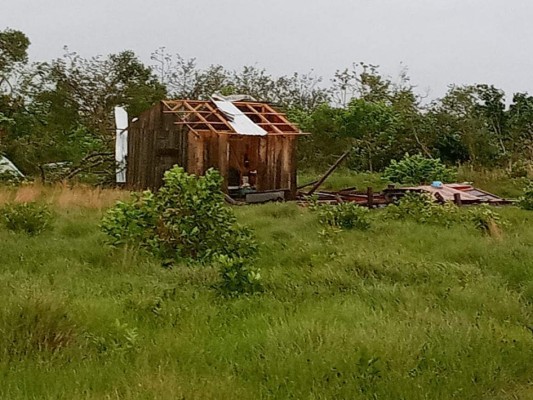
<point>440,41</point>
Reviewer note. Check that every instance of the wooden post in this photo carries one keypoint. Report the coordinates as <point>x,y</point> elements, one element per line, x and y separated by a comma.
<point>457,199</point>
<point>370,197</point>
<point>328,173</point>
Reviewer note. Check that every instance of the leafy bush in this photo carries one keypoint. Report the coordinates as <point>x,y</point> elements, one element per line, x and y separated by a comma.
<point>188,220</point>
<point>133,223</point>
<point>422,208</point>
<point>121,338</point>
<point>185,220</point>
<point>30,218</point>
<point>418,170</point>
<point>486,219</point>
<point>345,216</point>
<point>526,201</point>
<point>238,277</point>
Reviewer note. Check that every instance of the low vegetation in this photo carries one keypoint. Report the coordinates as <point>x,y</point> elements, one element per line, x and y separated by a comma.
<point>30,218</point>
<point>345,216</point>
<point>526,201</point>
<point>405,309</point>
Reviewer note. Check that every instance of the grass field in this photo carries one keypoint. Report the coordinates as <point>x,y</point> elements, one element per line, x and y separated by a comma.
<point>402,311</point>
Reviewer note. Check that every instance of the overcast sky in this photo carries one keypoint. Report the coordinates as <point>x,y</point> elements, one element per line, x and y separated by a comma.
<point>440,41</point>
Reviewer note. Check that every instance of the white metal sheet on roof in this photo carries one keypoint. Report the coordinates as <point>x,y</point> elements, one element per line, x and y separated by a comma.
<point>237,119</point>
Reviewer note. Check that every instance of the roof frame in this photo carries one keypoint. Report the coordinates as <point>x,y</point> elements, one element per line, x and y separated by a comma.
<point>203,115</point>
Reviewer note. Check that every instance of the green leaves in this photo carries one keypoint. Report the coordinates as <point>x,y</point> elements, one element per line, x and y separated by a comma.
<point>13,49</point>
<point>486,219</point>
<point>238,277</point>
<point>421,208</point>
<point>30,218</point>
<point>418,170</point>
<point>526,201</point>
<point>344,216</point>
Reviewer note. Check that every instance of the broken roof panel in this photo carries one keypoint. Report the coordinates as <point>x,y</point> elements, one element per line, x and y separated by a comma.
<point>239,121</point>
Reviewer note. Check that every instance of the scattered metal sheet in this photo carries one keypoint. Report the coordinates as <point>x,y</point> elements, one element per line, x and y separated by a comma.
<point>465,193</point>
<point>7,167</point>
<point>459,193</point>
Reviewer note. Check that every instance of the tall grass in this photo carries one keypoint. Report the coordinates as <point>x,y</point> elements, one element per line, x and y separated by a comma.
<point>62,195</point>
<point>401,311</point>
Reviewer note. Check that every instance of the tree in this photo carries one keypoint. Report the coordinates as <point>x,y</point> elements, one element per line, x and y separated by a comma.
<point>372,126</point>
<point>461,121</point>
<point>520,126</point>
<point>64,108</point>
<point>13,50</point>
<point>326,143</point>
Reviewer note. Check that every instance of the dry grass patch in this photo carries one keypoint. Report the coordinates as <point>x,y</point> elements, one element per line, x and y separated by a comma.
<point>62,195</point>
<point>85,196</point>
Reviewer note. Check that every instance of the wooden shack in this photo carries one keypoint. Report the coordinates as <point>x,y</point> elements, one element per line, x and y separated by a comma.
<point>198,135</point>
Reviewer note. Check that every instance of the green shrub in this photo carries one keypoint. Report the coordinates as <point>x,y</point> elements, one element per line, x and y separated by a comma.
<point>422,208</point>
<point>485,219</point>
<point>185,220</point>
<point>30,218</point>
<point>418,170</point>
<point>526,201</point>
<point>133,223</point>
<point>238,277</point>
<point>344,216</point>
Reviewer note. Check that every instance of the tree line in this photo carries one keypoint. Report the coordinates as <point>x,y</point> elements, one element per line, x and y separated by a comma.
<point>61,110</point>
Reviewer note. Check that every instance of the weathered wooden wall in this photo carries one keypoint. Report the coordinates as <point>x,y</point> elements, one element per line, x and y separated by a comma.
<point>155,144</point>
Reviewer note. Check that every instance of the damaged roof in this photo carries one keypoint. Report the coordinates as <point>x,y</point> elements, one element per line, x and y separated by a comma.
<point>219,115</point>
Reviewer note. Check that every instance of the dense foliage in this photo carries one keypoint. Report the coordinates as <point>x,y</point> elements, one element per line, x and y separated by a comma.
<point>61,111</point>
<point>422,208</point>
<point>418,170</point>
<point>485,219</point>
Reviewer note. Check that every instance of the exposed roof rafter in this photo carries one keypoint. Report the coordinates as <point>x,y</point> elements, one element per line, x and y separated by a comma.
<point>203,115</point>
